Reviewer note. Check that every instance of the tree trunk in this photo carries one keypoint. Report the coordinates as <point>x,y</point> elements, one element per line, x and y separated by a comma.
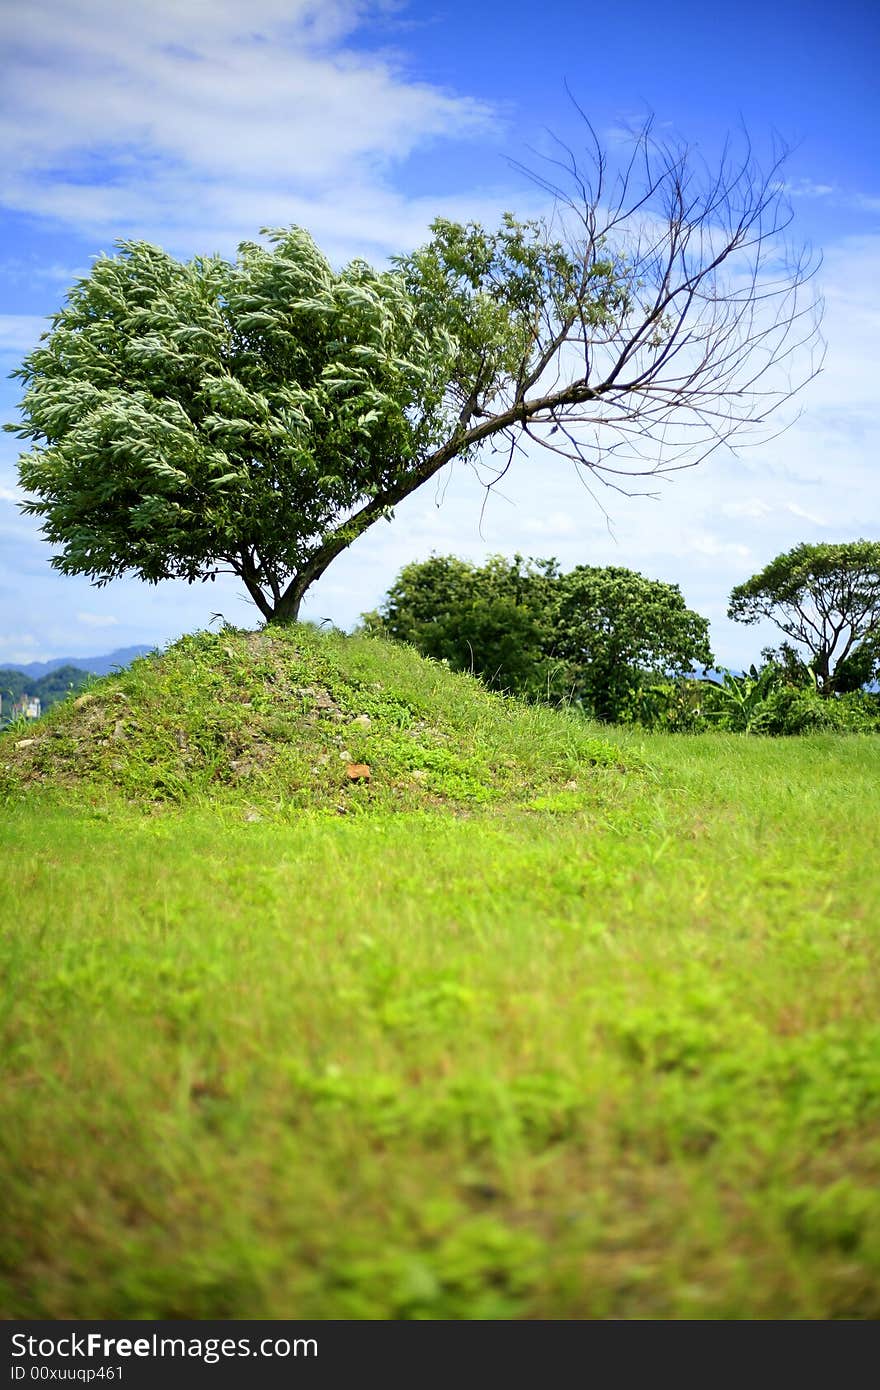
<point>286,609</point>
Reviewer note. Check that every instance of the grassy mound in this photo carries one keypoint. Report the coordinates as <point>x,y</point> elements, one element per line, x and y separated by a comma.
<point>293,720</point>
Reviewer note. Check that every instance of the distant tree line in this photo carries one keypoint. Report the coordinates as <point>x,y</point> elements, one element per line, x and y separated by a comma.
<point>591,636</point>
<point>627,649</point>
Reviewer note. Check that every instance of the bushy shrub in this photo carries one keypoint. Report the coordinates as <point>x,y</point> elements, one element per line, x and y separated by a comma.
<point>673,706</point>
<point>859,711</point>
<point>779,700</point>
<point>794,710</point>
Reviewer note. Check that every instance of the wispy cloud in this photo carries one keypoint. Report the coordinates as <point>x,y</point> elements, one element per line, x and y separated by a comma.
<point>20,332</point>
<point>832,193</point>
<point>808,188</point>
<point>714,546</point>
<point>804,515</point>
<point>97,620</point>
<point>22,270</point>
<point>19,647</point>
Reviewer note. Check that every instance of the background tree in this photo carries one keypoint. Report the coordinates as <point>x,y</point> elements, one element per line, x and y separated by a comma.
<point>827,599</point>
<point>257,416</point>
<point>493,620</point>
<point>614,629</point>
<point>594,635</point>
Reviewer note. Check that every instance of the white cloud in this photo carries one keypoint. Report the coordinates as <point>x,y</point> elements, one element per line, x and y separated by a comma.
<point>21,270</point>
<point>849,281</point>
<point>8,494</point>
<point>19,648</point>
<point>97,619</point>
<point>555,525</point>
<point>207,114</point>
<point>714,546</point>
<point>751,509</point>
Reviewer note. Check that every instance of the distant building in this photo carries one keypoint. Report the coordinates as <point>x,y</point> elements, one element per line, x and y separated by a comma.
<point>28,707</point>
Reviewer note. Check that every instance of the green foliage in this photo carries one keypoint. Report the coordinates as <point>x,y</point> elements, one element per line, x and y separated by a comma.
<point>739,702</point>
<point>614,628</point>
<point>672,706</point>
<point>257,416</point>
<point>593,636</point>
<point>861,667</point>
<point>784,698</point>
<point>827,598</point>
<point>793,710</point>
<point>492,290</point>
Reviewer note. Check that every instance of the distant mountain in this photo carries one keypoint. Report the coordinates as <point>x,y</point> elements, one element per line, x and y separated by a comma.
<point>95,665</point>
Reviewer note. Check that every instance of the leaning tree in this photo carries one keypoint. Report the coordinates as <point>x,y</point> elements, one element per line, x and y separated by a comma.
<point>256,417</point>
<point>827,599</point>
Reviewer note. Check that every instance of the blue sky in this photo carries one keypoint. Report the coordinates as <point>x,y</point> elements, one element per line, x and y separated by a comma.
<point>192,123</point>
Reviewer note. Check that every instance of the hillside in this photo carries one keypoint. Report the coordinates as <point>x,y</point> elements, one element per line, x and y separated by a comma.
<point>591,1033</point>
<point>289,720</point>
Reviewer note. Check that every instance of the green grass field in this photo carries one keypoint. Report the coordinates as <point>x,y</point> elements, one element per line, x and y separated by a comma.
<point>543,1021</point>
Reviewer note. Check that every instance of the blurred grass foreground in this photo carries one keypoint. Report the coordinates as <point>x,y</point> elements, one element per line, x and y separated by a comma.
<point>335,986</point>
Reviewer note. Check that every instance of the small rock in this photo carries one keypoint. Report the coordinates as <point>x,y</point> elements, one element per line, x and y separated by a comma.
<point>119,732</point>
<point>252,816</point>
<point>25,742</point>
<point>82,700</point>
<point>358,772</point>
<point>363,721</point>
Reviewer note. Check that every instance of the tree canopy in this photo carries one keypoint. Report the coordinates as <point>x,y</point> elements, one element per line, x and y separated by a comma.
<point>494,619</point>
<point>592,635</point>
<point>827,598</point>
<point>257,416</point>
